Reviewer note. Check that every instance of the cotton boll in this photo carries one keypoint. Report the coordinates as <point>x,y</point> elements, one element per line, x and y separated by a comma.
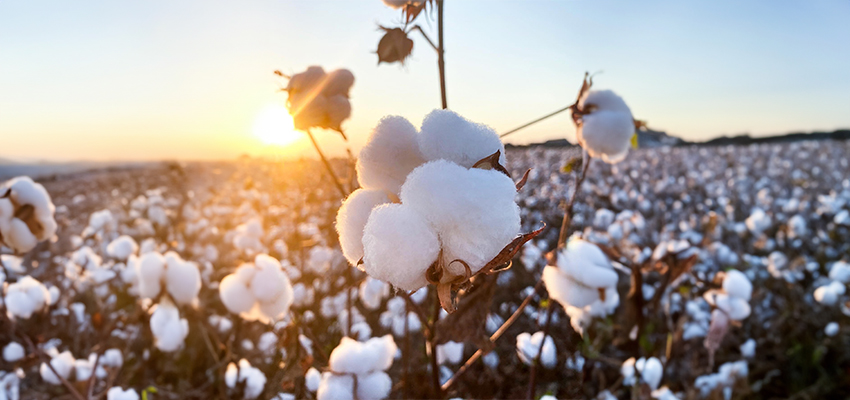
<point>390,154</point>
<point>62,363</point>
<point>336,387</point>
<point>312,379</point>
<point>338,83</point>
<point>734,307</point>
<point>528,346</point>
<point>167,327</point>
<point>122,247</point>
<point>150,270</point>
<point>797,227</point>
<point>355,357</point>
<point>26,297</point>
<point>831,329</point>
<point>736,284</point>
<point>112,358</point>
<point>651,372</point>
<point>450,352</point>
<point>351,220</point>
<point>117,393</point>
<point>13,352</point>
<point>183,280</point>
<point>758,221</point>
<point>26,214</point>
<point>829,294</point>
<point>587,264</point>
<point>399,246</point>
<point>235,294</point>
<point>607,129</point>
<point>840,272</point>
<point>566,291</point>
<point>448,136</point>
<point>372,291</point>
<point>375,385</point>
<point>748,349</point>
<point>473,210</point>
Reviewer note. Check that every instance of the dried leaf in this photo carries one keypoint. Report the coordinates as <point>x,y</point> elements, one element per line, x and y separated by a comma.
<point>491,162</point>
<point>507,254</point>
<point>468,322</point>
<point>395,46</point>
<point>444,293</point>
<point>412,10</point>
<point>523,180</point>
<point>573,164</point>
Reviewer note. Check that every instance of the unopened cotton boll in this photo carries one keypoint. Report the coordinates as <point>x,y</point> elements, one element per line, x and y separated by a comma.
<point>399,246</point>
<point>351,220</point>
<point>167,327</point>
<point>472,210</point>
<point>446,135</point>
<point>607,127</point>
<point>390,154</point>
<point>122,247</point>
<point>26,214</point>
<point>26,297</point>
<point>118,393</point>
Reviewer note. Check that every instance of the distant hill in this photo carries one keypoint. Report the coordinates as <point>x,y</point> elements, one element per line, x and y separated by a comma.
<point>652,138</point>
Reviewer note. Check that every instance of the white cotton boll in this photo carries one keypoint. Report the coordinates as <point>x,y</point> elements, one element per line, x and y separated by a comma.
<point>842,218</point>
<point>829,294</point>
<point>627,370</point>
<point>336,387</point>
<point>54,295</point>
<point>831,329</point>
<point>167,327</point>
<point>448,136</point>
<point>736,284</point>
<point>26,297</point>
<point>117,393</point>
<point>450,352</point>
<point>17,235</point>
<point>235,294</point>
<point>587,264</point>
<point>840,272</point>
<point>255,380</point>
<point>231,375</point>
<point>565,290</point>
<point>23,234</point>
<point>651,372</point>
<point>372,291</point>
<point>528,346</point>
<point>122,247</point>
<point>352,217</point>
<point>472,210</point>
<point>735,307</point>
<point>607,130</point>
<point>748,349</point>
<point>182,279</point>
<point>13,352</point>
<point>399,246</point>
<point>390,154</point>
<point>375,385</point>
<point>62,363</point>
<point>354,357</point>
<point>797,227</point>
<point>112,358</point>
<point>150,269</point>
<point>102,219</point>
<point>758,221</point>
<point>312,379</point>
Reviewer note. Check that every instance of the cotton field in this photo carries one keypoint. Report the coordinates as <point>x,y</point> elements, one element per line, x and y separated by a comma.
<point>690,272</point>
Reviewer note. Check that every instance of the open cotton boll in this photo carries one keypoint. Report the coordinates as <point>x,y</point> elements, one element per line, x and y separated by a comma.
<point>62,363</point>
<point>840,272</point>
<point>312,379</point>
<point>372,291</point>
<point>399,246</point>
<point>651,371</point>
<point>829,294</point>
<point>736,308</point>
<point>472,210</point>
<point>748,349</point>
<point>354,357</point>
<point>258,291</point>
<point>831,329</point>
<point>13,352</point>
<point>117,393</point>
<point>374,385</point>
<point>528,345</point>
<point>587,264</point>
<point>26,297</point>
<point>607,128</point>
<point>149,272</point>
<point>122,247</point>
<point>390,154</point>
<point>450,352</point>
<point>567,291</point>
<point>182,279</point>
<point>15,232</point>
<point>448,136</point>
<point>758,221</point>
<point>336,387</point>
<point>167,327</point>
<point>351,220</point>
<point>235,294</point>
<point>737,284</point>
<point>26,214</point>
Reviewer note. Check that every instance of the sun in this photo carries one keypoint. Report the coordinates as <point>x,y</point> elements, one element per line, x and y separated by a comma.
<point>274,125</point>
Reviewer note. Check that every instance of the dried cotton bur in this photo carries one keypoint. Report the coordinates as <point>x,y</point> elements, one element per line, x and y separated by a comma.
<point>436,205</point>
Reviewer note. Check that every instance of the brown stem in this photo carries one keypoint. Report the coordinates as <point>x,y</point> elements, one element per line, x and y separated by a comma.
<point>350,278</point>
<point>533,378</point>
<point>496,335</point>
<point>441,53</point>
<point>404,354</point>
<point>568,211</point>
<point>328,167</point>
<point>428,39</point>
<point>431,346</point>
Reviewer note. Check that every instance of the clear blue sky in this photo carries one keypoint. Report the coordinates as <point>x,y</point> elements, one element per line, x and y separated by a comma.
<point>186,79</point>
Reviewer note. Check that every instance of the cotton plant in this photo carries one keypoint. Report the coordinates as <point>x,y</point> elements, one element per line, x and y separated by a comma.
<point>583,281</point>
<point>424,203</point>
<point>258,291</point>
<point>319,99</point>
<point>26,214</point>
<point>357,370</point>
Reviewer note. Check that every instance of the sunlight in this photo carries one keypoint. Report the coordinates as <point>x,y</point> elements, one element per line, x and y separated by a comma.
<point>274,125</point>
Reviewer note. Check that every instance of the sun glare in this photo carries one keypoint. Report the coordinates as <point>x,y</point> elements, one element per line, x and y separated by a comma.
<point>274,125</point>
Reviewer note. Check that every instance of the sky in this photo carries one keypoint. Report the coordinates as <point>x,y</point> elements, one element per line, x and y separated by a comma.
<point>187,79</point>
